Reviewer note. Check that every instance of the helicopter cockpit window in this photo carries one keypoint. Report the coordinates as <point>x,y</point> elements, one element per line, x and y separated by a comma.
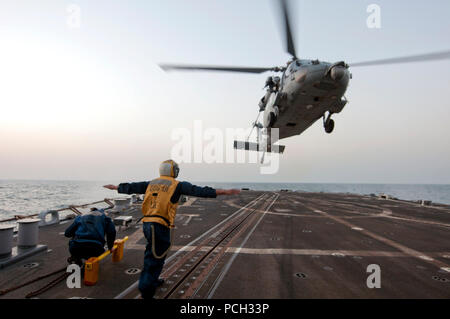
<point>287,72</point>
<point>291,69</point>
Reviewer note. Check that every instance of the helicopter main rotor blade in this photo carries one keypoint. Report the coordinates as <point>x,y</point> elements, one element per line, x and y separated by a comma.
<point>290,47</point>
<point>408,59</point>
<point>168,67</point>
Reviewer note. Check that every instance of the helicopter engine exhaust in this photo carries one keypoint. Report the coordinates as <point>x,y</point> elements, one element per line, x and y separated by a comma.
<point>338,72</point>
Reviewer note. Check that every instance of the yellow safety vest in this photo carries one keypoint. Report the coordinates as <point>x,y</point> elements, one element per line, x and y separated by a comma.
<point>157,206</point>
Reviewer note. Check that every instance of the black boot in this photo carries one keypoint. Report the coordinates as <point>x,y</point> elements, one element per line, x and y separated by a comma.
<point>159,282</point>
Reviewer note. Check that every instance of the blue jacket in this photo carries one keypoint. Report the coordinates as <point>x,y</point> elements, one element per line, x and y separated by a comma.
<point>183,188</point>
<point>92,228</point>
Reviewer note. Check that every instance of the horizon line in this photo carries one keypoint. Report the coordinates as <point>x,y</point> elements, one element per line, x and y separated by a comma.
<point>233,182</point>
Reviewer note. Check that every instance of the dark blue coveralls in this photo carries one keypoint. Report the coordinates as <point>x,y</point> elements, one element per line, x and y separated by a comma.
<point>88,235</point>
<point>153,266</point>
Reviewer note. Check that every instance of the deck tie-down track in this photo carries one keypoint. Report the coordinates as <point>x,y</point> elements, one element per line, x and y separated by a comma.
<point>186,273</point>
<point>186,276</point>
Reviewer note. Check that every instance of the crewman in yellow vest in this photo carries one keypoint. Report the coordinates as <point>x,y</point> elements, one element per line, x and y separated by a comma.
<point>159,209</point>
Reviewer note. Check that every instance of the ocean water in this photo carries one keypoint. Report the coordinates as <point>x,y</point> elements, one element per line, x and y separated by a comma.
<point>19,197</point>
<point>436,193</point>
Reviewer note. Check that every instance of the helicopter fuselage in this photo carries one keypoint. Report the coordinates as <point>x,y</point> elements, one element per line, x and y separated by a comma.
<point>308,90</point>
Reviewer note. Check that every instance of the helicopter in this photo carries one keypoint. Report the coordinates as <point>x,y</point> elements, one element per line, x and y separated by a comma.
<point>305,91</point>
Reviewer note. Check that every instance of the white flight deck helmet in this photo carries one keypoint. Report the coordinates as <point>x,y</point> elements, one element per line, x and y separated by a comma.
<point>169,168</point>
<point>276,80</point>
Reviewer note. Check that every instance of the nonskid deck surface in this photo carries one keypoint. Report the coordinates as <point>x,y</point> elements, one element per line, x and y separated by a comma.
<point>271,245</point>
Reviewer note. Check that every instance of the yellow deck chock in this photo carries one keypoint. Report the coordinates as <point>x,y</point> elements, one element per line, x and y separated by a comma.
<point>91,267</point>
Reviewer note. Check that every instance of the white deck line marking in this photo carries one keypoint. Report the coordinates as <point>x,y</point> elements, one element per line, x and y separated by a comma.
<point>416,220</point>
<point>405,249</point>
<point>189,217</point>
<point>387,213</point>
<point>308,252</point>
<point>189,202</point>
<point>418,205</point>
<point>136,284</point>
<point>228,265</point>
<point>238,214</point>
<point>294,215</point>
<point>283,210</point>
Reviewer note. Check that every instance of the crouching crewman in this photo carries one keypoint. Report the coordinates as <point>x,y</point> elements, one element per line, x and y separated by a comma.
<point>88,235</point>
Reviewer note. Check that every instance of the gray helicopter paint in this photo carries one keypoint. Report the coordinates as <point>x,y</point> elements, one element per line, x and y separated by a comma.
<point>309,89</point>
<point>307,92</point>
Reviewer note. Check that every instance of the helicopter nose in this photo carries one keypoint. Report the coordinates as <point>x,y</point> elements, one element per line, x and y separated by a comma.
<point>338,72</point>
<point>300,75</point>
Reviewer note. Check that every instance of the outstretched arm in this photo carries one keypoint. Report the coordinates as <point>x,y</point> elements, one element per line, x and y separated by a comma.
<point>227,191</point>
<point>186,188</point>
<point>111,187</point>
<point>129,188</point>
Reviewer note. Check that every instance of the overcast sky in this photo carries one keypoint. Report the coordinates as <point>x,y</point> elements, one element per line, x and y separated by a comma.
<point>90,103</point>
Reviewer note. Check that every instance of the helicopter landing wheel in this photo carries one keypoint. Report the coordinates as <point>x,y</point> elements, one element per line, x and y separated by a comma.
<point>329,126</point>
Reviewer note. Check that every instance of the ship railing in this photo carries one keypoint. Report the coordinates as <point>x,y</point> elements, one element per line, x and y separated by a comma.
<point>68,211</point>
